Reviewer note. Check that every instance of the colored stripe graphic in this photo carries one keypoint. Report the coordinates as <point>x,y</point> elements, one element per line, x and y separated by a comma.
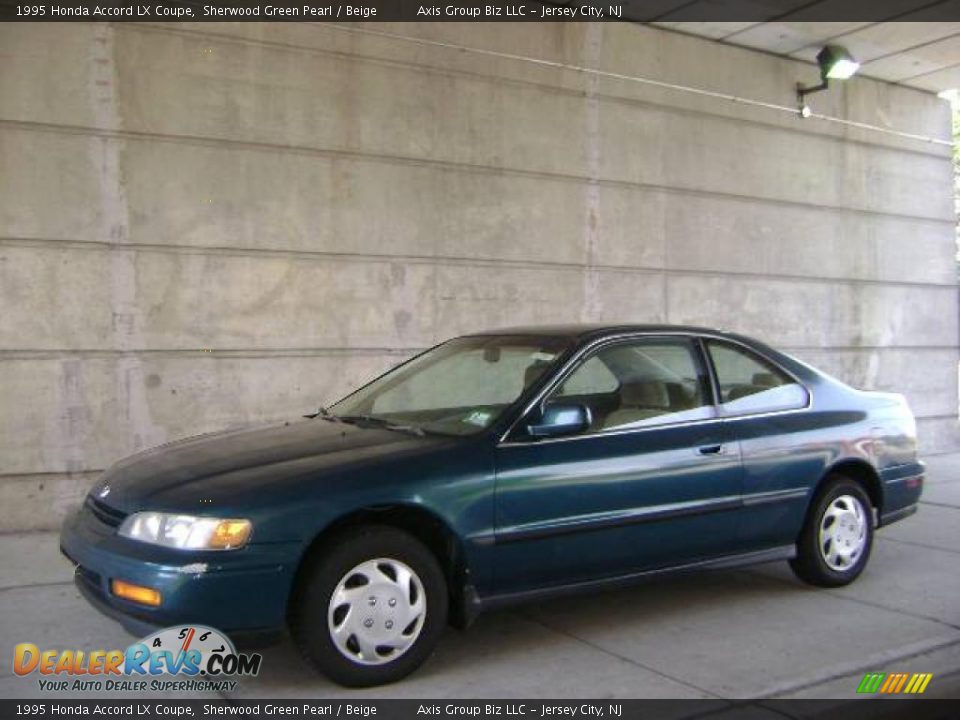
<point>870,683</point>
<point>894,683</point>
<point>900,683</point>
<point>927,677</point>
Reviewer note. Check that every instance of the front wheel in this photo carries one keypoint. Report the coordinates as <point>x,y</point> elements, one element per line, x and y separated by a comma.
<point>835,543</point>
<point>372,608</point>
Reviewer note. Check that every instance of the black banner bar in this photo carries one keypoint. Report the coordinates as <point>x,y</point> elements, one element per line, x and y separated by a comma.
<point>480,11</point>
<point>145,709</point>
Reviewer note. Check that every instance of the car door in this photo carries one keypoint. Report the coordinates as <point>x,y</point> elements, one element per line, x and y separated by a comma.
<point>767,412</point>
<point>652,482</point>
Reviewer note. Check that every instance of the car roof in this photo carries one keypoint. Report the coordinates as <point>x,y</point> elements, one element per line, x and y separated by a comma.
<point>587,332</point>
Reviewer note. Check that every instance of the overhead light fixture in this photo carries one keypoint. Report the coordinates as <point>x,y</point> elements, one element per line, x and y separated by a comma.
<point>837,67</point>
<point>836,63</point>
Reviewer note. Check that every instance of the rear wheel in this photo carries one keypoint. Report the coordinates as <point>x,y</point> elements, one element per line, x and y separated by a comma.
<point>835,543</point>
<point>372,608</point>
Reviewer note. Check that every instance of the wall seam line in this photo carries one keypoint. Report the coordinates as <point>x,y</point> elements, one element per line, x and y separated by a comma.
<point>444,165</point>
<point>455,261</point>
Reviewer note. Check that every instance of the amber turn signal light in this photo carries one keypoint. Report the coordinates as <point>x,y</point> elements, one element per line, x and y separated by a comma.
<point>136,593</point>
<point>230,534</point>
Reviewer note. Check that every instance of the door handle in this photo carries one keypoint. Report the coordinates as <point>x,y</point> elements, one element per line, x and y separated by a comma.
<point>711,449</point>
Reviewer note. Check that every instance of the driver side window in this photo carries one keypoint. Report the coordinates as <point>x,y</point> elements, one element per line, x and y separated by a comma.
<point>592,378</point>
<point>639,384</point>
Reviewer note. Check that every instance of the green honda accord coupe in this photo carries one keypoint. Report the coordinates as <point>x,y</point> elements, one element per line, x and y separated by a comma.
<point>497,468</point>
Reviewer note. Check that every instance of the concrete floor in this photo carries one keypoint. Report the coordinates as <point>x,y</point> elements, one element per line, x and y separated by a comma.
<point>754,633</point>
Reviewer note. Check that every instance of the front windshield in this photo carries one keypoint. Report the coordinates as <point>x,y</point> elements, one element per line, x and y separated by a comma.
<point>458,388</point>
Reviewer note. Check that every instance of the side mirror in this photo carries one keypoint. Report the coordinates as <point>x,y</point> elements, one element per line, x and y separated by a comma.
<point>560,419</point>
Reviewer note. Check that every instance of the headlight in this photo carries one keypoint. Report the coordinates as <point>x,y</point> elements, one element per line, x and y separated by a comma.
<point>186,532</point>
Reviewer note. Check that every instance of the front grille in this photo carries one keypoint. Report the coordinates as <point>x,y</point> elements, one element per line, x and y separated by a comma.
<point>104,513</point>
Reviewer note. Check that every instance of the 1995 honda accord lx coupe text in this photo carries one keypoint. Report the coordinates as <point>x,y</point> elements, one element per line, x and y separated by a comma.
<point>497,468</point>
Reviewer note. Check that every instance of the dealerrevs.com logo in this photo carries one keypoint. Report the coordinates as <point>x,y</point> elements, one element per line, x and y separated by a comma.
<point>189,658</point>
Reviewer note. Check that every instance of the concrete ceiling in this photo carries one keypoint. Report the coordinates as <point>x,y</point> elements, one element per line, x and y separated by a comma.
<point>911,42</point>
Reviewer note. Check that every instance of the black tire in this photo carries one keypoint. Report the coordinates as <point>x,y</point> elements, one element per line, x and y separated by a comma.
<point>309,614</point>
<point>810,565</point>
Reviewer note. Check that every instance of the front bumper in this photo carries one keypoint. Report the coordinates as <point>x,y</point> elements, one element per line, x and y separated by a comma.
<point>241,592</point>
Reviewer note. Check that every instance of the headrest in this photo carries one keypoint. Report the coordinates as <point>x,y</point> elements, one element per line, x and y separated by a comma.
<point>534,370</point>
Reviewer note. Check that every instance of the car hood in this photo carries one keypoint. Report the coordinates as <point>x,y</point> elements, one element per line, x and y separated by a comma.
<point>221,468</point>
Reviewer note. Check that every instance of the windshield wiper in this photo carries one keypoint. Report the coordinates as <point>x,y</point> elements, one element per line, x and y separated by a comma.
<point>383,423</point>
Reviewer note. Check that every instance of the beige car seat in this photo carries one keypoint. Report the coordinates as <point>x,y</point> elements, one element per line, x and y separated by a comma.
<point>639,401</point>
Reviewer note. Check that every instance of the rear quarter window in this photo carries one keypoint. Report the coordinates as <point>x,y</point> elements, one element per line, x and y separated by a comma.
<point>750,384</point>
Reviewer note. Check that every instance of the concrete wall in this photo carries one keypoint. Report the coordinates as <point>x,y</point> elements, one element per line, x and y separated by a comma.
<point>210,225</point>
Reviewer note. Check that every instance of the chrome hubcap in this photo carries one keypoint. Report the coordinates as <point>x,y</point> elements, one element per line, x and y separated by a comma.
<point>377,611</point>
<point>843,533</point>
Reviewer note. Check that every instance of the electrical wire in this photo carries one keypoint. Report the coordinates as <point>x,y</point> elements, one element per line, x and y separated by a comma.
<point>792,110</point>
